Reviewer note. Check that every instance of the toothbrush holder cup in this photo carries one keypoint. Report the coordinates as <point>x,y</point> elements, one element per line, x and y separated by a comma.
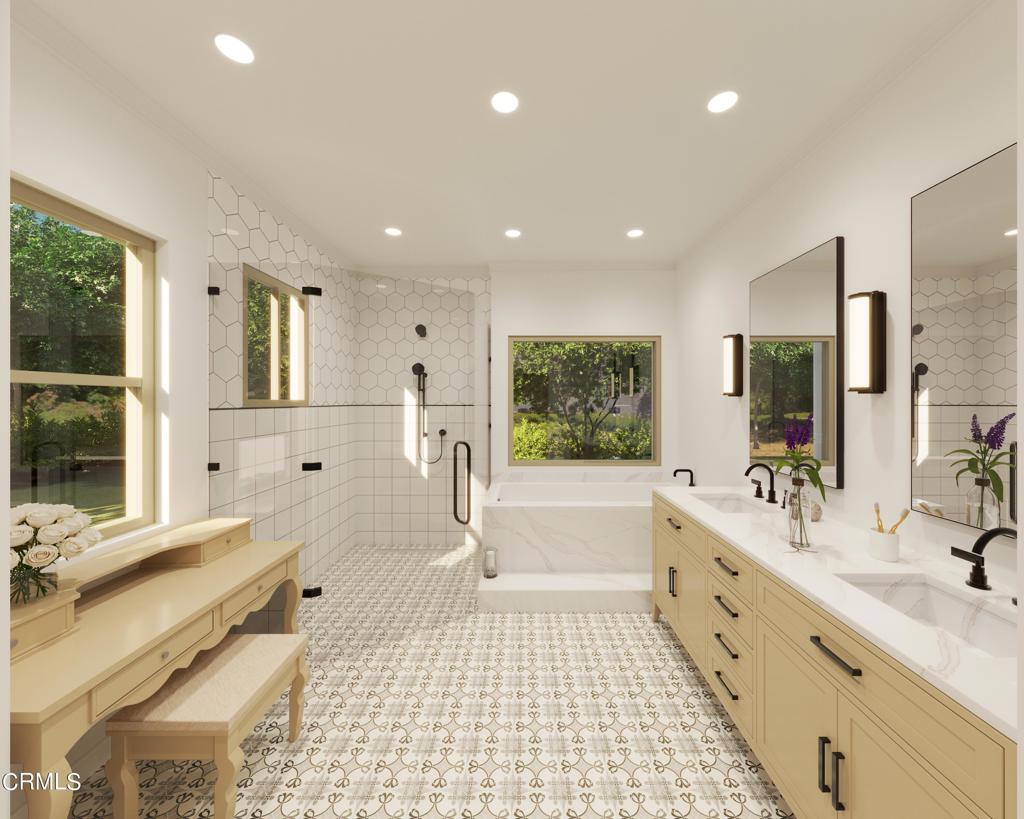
<point>884,546</point>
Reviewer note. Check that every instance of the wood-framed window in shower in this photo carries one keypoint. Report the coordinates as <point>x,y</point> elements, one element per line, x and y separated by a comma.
<point>275,355</point>
<point>83,368</point>
<point>584,400</point>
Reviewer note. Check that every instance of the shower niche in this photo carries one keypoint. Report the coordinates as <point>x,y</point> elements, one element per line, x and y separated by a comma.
<point>964,345</point>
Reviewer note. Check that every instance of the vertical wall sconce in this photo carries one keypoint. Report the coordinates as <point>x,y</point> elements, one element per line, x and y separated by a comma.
<point>867,342</point>
<point>732,364</point>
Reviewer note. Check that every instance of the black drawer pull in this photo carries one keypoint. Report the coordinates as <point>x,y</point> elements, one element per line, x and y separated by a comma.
<point>312,466</point>
<point>823,743</point>
<point>725,645</point>
<point>672,581</point>
<point>725,685</point>
<point>725,608</point>
<point>836,804</point>
<point>725,567</point>
<point>673,524</point>
<point>853,671</point>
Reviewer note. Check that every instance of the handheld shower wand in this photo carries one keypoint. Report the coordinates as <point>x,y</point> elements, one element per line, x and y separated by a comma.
<point>421,407</point>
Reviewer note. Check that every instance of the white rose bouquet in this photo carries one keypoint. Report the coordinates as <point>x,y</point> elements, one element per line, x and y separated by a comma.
<point>42,534</point>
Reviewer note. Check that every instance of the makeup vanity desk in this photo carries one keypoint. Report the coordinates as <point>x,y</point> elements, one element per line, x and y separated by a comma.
<point>139,613</point>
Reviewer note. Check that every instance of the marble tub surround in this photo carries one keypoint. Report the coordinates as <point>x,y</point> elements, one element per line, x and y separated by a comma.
<point>577,541</point>
<point>569,527</point>
<point>981,681</point>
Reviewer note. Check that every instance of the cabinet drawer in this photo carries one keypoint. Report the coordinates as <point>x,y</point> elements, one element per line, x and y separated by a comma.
<point>243,597</point>
<point>948,744</point>
<point>724,643</point>
<point>736,697</point>
<point>226,542</point>
<point>729,606</point>
<point>683,529</point>
<point>727,566</point>
<point>131,676</point>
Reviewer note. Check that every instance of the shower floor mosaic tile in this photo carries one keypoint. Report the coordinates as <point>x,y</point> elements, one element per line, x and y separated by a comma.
<point>419,706</point>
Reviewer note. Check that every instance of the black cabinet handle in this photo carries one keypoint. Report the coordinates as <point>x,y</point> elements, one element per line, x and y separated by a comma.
<point>312,466</point>
<point>823,743</point>
<point>725,567</point>
<point>725,685</point>
<point>723,644</point>
<point>673,524</point>
<point>725,608</point>
<point>853,671</point>
<point>836,758</point>
<point>672,581</point>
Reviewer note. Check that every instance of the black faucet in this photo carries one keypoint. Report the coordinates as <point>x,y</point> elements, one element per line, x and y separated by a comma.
<point>757,483</point>
<point>690,471</point>
<point>978,578</point>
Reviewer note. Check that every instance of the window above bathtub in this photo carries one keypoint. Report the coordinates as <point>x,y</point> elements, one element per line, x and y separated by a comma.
<point>584,400</point>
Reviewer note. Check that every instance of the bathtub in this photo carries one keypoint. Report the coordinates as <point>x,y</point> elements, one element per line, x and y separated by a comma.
<point>570,526</point>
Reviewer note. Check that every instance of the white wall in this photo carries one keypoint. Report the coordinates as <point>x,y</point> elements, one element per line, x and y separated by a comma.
<point>74,140</point>
<point>952,108</point>
<point>599,302</point>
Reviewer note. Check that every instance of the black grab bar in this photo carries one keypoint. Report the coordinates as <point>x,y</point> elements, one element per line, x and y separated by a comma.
<point>467,479</point>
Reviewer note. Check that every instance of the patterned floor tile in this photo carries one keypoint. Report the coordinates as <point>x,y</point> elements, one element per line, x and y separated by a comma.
<point>420,706</point>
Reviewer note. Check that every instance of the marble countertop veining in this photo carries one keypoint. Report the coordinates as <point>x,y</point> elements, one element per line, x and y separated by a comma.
<point>984,684</point>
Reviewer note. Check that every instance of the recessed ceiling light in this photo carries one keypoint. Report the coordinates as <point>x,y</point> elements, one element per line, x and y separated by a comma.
<point>504,102</point>
<point>722,102</point>
<point>234,49</point>
<point>513,233</point>
<point>1011,232</point>
<point>393,231</point>
<point>634,233</point>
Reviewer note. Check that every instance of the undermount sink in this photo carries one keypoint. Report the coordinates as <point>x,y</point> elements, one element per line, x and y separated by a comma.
<point>733,504</point>
<point>974,620</point>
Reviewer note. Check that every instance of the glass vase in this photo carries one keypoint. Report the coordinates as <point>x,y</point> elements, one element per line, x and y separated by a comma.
<point>799,516</point>
<point>983,508</point>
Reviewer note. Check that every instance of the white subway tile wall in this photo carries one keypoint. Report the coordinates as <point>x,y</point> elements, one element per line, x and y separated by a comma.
<point>374,487</point>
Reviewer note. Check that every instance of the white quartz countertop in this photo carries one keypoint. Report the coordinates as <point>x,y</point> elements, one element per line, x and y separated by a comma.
<point>984,684</point>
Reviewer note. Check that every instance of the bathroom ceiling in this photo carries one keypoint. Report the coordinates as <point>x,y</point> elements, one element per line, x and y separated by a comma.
<point>357,116</point>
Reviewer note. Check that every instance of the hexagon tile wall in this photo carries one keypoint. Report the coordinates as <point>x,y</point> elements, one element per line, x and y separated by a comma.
<point>968,339</point>
<point>361,421</point>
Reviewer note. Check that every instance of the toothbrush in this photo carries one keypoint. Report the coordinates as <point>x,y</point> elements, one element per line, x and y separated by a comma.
<point>903,517</point>
<point>878,518</point>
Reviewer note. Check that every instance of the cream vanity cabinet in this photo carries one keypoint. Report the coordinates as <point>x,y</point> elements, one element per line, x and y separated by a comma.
<point>843,728</point>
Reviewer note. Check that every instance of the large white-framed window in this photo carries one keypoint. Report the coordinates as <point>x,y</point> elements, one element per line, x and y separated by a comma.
<point>83,371</point>
<point>584,400</point>
<point>275,328</point>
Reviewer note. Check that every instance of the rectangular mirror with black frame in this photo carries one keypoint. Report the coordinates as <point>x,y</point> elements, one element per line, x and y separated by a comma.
<point>796,337</point>
<point>963,345</point>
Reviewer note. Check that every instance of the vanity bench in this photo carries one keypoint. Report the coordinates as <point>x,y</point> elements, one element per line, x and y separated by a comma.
<point>206,711</point>
<point>143,612</point>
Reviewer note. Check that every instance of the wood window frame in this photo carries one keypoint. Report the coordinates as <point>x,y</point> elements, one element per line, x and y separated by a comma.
<point>654,461</point>
<point>139,380</point>
<point>278,288</point>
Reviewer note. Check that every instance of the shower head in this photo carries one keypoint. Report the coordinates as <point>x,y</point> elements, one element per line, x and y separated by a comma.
<point>920,368</point>
<point>418,369</point>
